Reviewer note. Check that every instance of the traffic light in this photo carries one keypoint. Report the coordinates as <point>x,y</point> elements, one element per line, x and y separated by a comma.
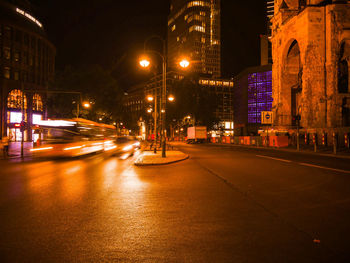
<point>23,126</point>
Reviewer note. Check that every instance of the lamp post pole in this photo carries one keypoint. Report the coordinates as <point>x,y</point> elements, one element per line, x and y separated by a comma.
<point>164,102</point>
<point>145,63</point>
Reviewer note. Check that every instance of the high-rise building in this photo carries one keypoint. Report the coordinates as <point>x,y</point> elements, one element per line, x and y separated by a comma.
<point>194,32</point>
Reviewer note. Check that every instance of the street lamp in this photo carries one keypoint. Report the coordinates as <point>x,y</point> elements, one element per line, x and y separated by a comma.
<point>184,63</point>
<point>171,98</point>
<point>145,62</point>
<point>86,105</point>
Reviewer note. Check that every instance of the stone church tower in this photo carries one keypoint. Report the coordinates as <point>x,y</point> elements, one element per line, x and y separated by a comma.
<point>311,56</point>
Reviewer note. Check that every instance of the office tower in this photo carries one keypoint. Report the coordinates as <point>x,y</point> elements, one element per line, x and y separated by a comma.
<point>194,32</point>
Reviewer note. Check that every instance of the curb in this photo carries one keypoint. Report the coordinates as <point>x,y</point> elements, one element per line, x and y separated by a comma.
<point>283,150</point>
<point>158,164</point>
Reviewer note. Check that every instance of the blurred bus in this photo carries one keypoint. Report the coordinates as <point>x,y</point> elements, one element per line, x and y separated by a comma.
<point>73,137</point>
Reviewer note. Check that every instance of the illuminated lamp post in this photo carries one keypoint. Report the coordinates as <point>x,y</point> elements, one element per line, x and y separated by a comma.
<point>145,62</point>
<point>155,99</point>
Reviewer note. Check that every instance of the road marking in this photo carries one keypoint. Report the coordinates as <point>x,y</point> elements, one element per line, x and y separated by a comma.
<point>272,158</point>
<point>323,167</point>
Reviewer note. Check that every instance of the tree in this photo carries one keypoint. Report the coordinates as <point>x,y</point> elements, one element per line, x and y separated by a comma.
<point>96,85</point>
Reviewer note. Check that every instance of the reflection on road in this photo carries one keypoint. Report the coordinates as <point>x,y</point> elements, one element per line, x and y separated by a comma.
<point>67,180</point>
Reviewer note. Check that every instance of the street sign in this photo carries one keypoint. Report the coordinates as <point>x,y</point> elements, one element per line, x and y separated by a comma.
<point>266,117</point>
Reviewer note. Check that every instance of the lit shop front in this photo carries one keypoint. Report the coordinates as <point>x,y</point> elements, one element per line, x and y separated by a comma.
<point>16,104</point>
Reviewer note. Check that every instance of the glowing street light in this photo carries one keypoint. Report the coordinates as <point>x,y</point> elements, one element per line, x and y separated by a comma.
<point>149,110</point>
<point>184,63</point>
<point>171,98</point>
<point>86,105</point>
<point>145,63</point>
<point>150,98</point>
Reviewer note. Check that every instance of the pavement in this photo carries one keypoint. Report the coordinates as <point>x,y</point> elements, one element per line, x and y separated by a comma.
<point>151,158</point>
<point>321,151</point>
<point>15,151</point>
<point>224,204</point>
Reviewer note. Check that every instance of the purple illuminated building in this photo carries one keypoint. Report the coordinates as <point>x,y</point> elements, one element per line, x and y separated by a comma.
<point>252,95</point>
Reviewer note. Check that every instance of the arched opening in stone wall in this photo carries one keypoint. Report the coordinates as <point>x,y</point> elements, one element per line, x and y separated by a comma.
<point>343,71</point>
<point>292,81</point>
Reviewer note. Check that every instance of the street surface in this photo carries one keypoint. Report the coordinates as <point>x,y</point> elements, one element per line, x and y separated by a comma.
<point>224,204</point>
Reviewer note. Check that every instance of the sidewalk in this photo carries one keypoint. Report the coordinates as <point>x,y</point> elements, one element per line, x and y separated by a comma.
<point>151,158</point>
<point>309,150</point>
<point>15,150</point>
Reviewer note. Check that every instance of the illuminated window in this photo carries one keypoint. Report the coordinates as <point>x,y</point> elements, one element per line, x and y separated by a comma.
<point>173,28</point>
<point>37,103</point>
<point>7,72</point>
<point>202,13</point>
<point>197,28</point>
<point>197,3</point>
<point>14,100</point>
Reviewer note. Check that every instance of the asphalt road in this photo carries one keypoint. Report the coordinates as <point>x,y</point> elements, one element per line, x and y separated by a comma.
<point>224,204</point>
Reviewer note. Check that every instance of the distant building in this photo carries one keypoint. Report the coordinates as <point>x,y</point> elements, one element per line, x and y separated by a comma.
<point>252,94</point>
<point>136,105</point>
<point>194,32</point>
<point>27,60</point>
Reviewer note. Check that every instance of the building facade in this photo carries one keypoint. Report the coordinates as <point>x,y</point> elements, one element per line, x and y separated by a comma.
<point>27,60</point>
<point>194,32</point>
<point>252,95</point>
<point>221,90</point>
<point>311,53</point>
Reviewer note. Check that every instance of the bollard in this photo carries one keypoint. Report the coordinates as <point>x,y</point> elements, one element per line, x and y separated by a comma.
<point>346,138</point>
<point>335,142</point>
<point>306,139</point>
<point>324,139</point>
<point>314,140</point>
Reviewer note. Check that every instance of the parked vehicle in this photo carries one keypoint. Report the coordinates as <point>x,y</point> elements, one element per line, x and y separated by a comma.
<point>196,134</point>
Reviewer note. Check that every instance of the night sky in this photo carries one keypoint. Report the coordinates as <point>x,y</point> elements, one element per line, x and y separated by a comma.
<point>111,32</point>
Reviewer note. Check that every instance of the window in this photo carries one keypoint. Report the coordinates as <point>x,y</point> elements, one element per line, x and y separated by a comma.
<point>15,99</point>
<point>18,36</point>
<point>7,73</point>
<point>16,75</point>
<point>16,56</point>
<point>37,103</point>
<point>7,53</point>
<point>343,71</point>
<point>197,28</point>
<point>26,39</point>
<point>8,32</point>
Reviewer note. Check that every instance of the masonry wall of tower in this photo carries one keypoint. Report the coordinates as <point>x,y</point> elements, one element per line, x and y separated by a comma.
<point>306,50</point>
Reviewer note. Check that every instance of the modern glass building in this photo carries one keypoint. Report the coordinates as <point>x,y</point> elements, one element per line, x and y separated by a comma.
<point>252,94</point>
<point>194,32</point>
<point>259,95</point>
<point>27,60</point>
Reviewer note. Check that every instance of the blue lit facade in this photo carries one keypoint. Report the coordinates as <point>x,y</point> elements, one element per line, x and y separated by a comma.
<point>252,95</point>
<point>259,95</point>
